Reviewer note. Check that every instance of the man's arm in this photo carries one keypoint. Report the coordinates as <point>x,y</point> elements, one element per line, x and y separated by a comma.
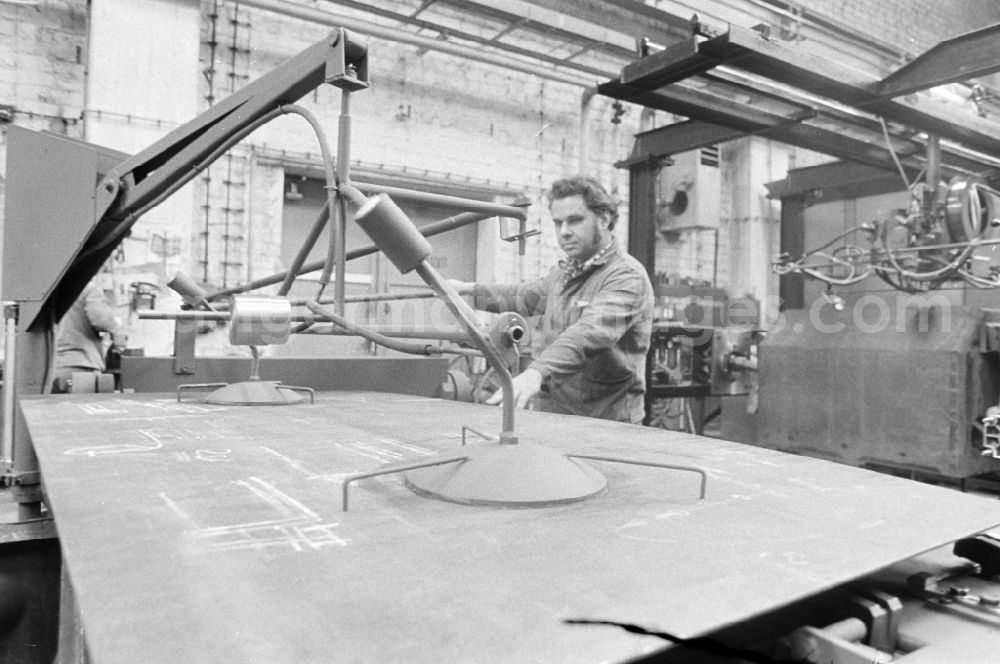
<point>620,304</point>
<point>102,316</point>
<point>526,385</point>
<point>527,299</point>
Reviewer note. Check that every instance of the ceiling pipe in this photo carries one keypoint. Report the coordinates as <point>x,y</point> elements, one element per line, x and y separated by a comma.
<point>395,34</point>
<point>586,106</point>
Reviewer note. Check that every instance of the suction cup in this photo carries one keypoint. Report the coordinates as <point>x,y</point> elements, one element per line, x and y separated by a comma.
<point>254,393</point>
<point>520,475</point>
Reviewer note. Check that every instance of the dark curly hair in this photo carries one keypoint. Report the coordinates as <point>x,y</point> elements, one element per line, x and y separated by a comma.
<point>598,200</point>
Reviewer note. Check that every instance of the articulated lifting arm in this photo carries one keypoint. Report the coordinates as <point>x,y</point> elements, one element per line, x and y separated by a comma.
<point>54,207</point>
<point>59,230</point>
<point>142,181</point>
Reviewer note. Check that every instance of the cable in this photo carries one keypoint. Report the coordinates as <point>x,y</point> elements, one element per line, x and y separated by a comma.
<point>334,200</point>
<point>860,227</point>
<point>943,272</point>
<point>374,337</point>
<point>892,152</point>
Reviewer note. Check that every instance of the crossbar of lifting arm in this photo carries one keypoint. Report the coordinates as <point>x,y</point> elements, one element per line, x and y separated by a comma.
<point>444,201</point>
<point>434,228</point>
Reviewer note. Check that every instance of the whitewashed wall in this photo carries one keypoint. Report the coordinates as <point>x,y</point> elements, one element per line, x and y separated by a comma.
<point>143,82</point>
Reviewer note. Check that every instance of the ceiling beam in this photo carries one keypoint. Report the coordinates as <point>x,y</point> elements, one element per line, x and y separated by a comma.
<point>568,24</point>
<point>673,139</point>
<point>568,73</point>
<point>835,181</point>
<point>629,17</point>
<point>450,44</point>
<point>792,128</point>
<point>960,58</point>
<point>748,51</point>
<point>674,63</point>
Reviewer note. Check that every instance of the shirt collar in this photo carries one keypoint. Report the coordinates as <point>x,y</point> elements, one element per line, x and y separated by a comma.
<point>573,268</point>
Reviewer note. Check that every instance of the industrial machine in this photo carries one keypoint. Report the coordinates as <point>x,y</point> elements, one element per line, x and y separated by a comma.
<point>688,364</point>
<point>914,367</point>
<point>916,396</point>
<point>369,524</point>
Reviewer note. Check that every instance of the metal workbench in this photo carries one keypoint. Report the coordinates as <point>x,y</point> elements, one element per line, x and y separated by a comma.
<point>194,533</point>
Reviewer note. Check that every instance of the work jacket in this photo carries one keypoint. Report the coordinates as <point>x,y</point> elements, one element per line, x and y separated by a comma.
<point>78,341</point>
<point>594,334</point>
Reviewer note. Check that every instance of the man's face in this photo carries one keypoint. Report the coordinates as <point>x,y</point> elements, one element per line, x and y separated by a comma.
<point>581,233</point>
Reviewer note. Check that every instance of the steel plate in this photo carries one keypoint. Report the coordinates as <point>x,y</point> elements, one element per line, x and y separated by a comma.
<point>196,533</point>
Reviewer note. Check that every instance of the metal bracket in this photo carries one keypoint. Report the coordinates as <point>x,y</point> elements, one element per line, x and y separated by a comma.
<point>734,361</point>
<point>989,337</point>
<point>520,236</point>
<point>347,63</point>
<point>27,487</point>
<point>990,428</point>
<point>881,614</point>
<point>956,597</point>
<point>508,334</point>
<point>982,549</point>
<point>184,338</point>
<point>26,478</point>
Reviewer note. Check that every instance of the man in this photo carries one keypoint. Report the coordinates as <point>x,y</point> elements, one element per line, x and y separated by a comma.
<point>79,346</point>
<point>596,308</point>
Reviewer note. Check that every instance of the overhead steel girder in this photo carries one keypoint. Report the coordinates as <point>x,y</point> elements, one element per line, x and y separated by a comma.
<point>624,16</point>
<point>833,181</point>
<point>748,51</point>
<point>678,138</point>
<point>960,58</point>
<point>724,118</point>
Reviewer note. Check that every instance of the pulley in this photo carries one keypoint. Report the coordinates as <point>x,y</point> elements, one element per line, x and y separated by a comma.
<point>971,208</point>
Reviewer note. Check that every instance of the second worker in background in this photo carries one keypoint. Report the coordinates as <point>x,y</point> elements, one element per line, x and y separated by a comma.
<point>596,308</point>
<point>80,347</point>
